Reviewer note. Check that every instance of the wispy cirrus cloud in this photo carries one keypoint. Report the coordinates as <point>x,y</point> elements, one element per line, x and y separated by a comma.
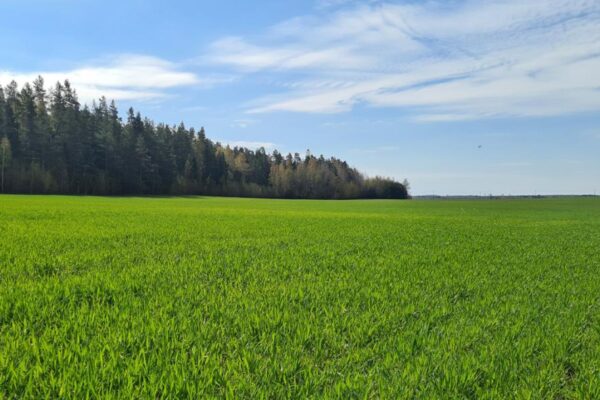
<point>326,4</point>
<point>124,77</point>
<point>243,123</point>
<point>443,61</point>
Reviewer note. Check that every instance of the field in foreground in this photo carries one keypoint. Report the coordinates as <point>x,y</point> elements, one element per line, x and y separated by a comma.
<point>202,297</point>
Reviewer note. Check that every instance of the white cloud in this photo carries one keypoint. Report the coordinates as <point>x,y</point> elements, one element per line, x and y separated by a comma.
<point>243,123</point>
<point>447,61</point>
<point>126,77</point>
<point>235,51</point>
<point>325,4</point>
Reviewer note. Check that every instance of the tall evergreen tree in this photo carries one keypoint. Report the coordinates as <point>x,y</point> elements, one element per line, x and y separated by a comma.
<point>2,113</point>
<point>49,143</point>
<point>5,157</point>
<point>10,118</point>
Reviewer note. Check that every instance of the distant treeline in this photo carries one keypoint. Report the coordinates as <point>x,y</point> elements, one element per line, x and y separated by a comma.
<point>50,144</point>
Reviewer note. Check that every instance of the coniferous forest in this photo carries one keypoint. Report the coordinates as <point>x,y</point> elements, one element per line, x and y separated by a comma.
<point>50,143</point>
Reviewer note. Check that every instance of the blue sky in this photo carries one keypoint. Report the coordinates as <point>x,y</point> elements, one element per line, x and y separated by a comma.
<point>457,96</point>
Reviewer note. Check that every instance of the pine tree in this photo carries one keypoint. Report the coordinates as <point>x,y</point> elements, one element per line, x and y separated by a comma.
<point>29,142</point>
<point>144,162</point>
<point>50,143</point>
<point>41,128</point>
<point>5,156</point>
<point>11,128</point>
<point>2,113</point>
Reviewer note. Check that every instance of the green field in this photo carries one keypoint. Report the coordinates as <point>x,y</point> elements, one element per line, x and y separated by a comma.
<point>208,297</point>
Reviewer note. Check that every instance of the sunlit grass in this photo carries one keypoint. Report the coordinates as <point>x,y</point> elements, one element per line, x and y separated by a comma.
<point>209,297</point>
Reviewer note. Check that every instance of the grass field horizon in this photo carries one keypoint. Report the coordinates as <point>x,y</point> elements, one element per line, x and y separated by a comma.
<point>137,297</point>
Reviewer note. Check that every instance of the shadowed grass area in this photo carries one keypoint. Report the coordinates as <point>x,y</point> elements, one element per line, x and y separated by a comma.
<point>244,298</point>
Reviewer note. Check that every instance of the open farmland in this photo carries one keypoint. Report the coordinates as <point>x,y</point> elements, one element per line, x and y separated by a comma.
<point>213,297</point>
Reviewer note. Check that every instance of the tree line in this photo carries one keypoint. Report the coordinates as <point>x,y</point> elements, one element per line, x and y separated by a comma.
<point>49,143</point>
